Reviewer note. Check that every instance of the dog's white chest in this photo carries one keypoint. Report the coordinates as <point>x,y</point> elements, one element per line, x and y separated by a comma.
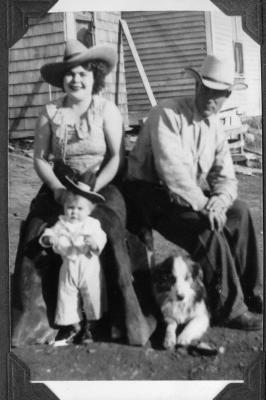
<point>179,311</point>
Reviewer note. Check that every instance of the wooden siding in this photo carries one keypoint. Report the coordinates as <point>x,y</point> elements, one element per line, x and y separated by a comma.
<point>167,42</point>
<point>42,43</point>
<point>107,32</point>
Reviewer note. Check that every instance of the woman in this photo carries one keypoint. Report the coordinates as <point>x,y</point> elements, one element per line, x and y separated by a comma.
<point>79,133</point>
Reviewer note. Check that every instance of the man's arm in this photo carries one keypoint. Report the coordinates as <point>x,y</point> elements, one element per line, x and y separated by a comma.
<point>170,160</point>
<point>221,178</point>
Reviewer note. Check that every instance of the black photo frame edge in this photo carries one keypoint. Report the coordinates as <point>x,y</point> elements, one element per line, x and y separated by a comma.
<point>15,375</point>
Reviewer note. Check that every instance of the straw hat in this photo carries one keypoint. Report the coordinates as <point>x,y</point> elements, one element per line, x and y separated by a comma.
<point>83,189</point>
<point>75,54</point>
<point>217,74</point>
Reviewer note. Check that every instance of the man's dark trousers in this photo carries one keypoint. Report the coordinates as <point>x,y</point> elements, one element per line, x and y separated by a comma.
<point>229,259</point>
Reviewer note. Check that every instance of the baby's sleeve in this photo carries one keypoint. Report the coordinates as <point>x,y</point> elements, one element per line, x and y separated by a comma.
<point>49,235</point>
<point>46,239</point>
<point>95,230</point>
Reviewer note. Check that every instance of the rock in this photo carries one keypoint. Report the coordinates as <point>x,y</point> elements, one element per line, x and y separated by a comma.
<point>91,351</point>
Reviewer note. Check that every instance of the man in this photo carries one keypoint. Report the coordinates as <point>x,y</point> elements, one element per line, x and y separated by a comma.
<point>181,182</point>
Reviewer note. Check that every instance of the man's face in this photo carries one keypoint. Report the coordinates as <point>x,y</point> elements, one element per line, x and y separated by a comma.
<point>209,101</point>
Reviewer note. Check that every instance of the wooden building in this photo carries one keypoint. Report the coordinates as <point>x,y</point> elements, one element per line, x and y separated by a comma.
<point>169,41</point>
<point>43,43</point>
<point>166,43</point>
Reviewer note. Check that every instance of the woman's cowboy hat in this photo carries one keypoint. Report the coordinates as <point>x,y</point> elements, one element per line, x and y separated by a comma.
<point>75,54</point>
<point>217,74</point>
<point>84,190</point>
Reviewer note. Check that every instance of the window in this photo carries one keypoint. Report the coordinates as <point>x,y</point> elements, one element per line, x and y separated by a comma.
<point>238,48</point>
<point>85,28</point>
<point>238,54</point>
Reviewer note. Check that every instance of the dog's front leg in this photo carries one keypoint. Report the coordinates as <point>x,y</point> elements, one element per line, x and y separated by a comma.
<point>170,334</point>
<point>194,330</point>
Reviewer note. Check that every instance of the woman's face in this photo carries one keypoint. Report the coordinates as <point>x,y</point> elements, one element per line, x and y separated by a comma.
<point>78,83</point>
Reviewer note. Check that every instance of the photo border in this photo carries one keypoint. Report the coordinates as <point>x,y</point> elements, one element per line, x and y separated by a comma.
<point>15,375</point>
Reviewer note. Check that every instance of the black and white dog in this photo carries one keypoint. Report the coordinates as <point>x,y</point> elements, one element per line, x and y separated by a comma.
<point>181,296</point>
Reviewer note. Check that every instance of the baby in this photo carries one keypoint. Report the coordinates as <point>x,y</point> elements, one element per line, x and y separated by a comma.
<point>79,239</point>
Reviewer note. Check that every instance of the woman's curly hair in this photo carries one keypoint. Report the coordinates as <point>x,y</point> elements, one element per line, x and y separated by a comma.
<point>99,70</point>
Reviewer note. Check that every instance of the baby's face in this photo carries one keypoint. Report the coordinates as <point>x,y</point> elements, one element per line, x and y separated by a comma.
<point>77,208</point>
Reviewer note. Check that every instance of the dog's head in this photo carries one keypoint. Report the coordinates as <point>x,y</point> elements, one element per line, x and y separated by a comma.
<point>180,277</point>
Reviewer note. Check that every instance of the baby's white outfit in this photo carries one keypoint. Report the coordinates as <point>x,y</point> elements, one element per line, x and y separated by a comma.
<point>81,273</point>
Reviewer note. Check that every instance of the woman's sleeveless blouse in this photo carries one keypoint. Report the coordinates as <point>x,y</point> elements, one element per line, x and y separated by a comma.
<point>79,143</point>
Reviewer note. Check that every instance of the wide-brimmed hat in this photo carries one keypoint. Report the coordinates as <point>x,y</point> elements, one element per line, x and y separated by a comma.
<point>75,54</point>
<point>83,189</point>
<point>217,74</point>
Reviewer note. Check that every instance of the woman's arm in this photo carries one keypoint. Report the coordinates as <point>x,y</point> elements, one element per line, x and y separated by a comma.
<point>40,157</point>
<point>113,134</point>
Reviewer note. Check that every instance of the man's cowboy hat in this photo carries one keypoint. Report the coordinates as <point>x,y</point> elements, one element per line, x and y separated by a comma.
<point>217,74</point>
<point>83,189</point>
<point>75,54</point>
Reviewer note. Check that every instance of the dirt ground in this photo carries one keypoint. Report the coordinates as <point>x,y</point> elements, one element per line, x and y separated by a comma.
<point>112,361</point>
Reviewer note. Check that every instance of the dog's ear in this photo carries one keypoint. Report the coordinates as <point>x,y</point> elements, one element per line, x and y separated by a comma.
<point>198,282</point>
<point>167,265</point>
<point>164,268</point>
<point>162,275</point>
<point>196,271</point>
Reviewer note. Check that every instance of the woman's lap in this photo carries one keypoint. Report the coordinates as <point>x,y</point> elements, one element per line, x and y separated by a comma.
<point>113,210</point>
<point>44,211</point>
<point>33,264</point>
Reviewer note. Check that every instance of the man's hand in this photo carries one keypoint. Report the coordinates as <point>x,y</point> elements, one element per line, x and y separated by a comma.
<point>215,211</point>
<point>215,204</point>
<point>217,220</point>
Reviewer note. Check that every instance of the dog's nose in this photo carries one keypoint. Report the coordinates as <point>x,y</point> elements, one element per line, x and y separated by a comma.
<point>180,297</point>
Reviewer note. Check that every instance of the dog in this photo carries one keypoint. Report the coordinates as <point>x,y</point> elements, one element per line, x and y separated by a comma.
<point>181,297</point>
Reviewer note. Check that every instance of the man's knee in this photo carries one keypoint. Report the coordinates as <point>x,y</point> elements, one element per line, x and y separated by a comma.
<point>239,210</point>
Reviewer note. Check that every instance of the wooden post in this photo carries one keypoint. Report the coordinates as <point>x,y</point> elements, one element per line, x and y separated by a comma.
<point>139,65</point>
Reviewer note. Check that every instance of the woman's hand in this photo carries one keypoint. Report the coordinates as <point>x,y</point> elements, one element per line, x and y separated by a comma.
<point>60,195</point>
